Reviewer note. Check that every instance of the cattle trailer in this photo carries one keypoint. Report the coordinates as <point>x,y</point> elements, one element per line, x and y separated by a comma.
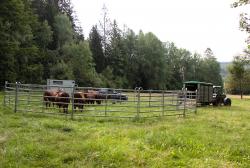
<point>66,85</point>
<point>204,91</point>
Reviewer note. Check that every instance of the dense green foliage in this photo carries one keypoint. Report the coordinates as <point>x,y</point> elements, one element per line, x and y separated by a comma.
<point>42,39</point>
<point>244,18</point>
<point>244,22</point>
<point>239,73</point>
<point>239,76</point>
<point>215,137</point>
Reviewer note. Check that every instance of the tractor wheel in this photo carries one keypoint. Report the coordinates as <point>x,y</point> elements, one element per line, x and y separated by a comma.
<point>227,102</point>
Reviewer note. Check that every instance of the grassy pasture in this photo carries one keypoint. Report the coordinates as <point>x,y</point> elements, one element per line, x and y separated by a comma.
<point>215,137</point>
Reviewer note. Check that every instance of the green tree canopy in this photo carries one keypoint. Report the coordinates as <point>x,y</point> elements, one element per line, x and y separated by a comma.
<point>63,30</point>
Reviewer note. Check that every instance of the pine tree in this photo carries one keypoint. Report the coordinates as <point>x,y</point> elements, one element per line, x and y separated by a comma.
<point>95,42</point>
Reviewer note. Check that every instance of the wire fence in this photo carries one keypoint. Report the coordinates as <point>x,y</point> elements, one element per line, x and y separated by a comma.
<point>98,102</point>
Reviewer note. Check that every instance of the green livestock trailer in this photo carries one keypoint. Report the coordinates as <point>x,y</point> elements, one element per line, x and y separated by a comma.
<point>207,93</point>
<point>204,91</point>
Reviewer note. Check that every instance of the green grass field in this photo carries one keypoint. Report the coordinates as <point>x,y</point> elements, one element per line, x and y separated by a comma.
<point>215,137</point>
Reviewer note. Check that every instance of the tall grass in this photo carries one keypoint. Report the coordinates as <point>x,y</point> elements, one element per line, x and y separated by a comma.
<point>215,137</point>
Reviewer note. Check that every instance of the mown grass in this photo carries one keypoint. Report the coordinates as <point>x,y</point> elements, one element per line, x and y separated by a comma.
<point>215,137</point>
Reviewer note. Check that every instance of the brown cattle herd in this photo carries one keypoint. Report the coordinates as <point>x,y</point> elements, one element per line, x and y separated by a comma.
<point>61,99</point>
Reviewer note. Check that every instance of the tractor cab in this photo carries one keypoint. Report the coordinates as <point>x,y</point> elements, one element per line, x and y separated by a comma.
<point>219,97</point>
<point>217,90</point>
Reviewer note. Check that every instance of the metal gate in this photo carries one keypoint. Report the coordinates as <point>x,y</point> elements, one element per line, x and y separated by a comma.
<point>116,103</point>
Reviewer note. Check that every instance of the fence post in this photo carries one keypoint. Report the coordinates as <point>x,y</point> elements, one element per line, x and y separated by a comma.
<point>28,97</point>
<point>9,97</point>
<point>173,94</point>
<point>196,99</point>
<point>138,103</point>
<point>185,100</point>
<point>163,102</point>
<point>72,100</point>
<point>106,104</point>
<point>120,97</point>
<point>16,97</point>
<point>43,103</point>
<point>5,92</point>
<point>135,92</point>
<point>149,101</point>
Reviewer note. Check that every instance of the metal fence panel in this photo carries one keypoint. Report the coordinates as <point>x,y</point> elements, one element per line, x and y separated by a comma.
<point>89,102</point>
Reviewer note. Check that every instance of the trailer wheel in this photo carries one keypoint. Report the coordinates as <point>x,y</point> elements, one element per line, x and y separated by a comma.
<point>227,102</point>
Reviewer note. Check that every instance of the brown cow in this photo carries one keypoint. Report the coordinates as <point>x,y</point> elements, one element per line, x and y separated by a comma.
<point>92,96</point>
<point>49,96</point>
<point>63,100</point>
<point>79,100</point>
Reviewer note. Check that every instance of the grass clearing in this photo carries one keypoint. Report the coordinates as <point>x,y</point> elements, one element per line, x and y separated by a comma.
<point>215,137</point>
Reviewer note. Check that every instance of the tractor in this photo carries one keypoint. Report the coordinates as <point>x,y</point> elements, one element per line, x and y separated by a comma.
<point>219,97</point>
